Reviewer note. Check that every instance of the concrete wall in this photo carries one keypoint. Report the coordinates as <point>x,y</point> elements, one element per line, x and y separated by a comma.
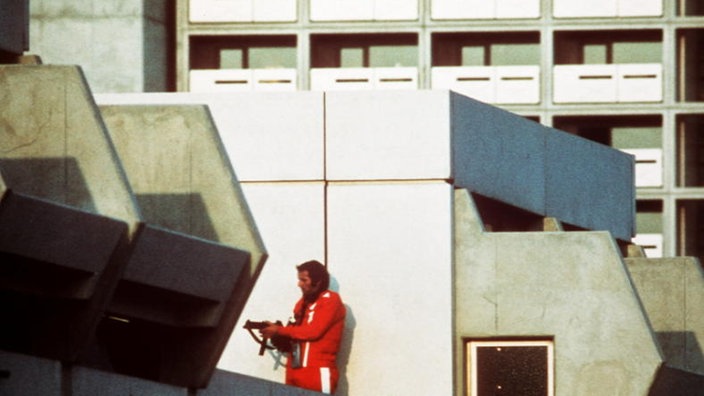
<point>121,45</point>
<point>362,181</point>
<point>572,287</point>
<point>672,291</point>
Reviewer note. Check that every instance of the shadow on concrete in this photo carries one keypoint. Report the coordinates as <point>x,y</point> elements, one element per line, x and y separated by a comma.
<point>185,213</point>
<point>57,179</point>
<point>343,356</point>
<point>682,350</point>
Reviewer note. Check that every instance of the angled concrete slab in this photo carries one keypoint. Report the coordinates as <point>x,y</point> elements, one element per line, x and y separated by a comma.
<point>195,258</point>
<point>672,291</point>
<point>572,288</point>
<point>66,211</point>
<point>268,136</point>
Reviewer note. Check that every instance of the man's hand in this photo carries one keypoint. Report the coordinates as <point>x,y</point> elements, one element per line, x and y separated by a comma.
<point>270,330</point>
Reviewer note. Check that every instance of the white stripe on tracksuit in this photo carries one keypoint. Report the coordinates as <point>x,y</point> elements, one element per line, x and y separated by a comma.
<point>325,380</point>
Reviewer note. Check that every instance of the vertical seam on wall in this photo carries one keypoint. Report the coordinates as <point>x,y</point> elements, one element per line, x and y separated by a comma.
<point>325,182</point>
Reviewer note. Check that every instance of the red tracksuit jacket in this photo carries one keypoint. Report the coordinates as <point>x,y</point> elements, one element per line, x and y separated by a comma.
<point>320,330</point>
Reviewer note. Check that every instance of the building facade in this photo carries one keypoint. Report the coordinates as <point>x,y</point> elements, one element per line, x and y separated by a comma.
<point>624,73</point>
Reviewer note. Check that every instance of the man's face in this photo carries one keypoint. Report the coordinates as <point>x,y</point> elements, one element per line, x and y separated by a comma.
<point>306,284</point>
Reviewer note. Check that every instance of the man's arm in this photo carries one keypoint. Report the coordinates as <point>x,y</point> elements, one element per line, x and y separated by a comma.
<point>328,310</point>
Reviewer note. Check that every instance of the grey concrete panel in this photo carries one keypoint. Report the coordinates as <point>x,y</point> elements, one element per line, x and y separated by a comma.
<point>289,138</point>
<point>29,375</point>
<point>203,271</point>
<point>90,382</point>
<point>672,292</point>
<point>181,175</point>
<point>590,185</point>
<point>177,165</point>
<point>225,383</point>
<point>571,287</point>
<point>60,266</point>
<point>498,154</point>
<point>61,153</point>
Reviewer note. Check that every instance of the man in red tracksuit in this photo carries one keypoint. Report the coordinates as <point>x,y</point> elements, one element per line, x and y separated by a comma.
<point>316,331</point>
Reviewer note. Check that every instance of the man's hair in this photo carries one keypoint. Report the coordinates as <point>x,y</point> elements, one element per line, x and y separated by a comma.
<point>317,272</point>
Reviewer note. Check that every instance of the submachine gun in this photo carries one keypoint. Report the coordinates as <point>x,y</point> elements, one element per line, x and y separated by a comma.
<point>281,343</point>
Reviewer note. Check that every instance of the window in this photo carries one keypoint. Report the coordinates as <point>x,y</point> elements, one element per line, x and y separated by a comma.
<point>607,47</point>
<point>364,50</point>
<point>690,8</point>
<point>243,52</point>
<point>690,228</point>
<point>690,150</point>
<point>690,65</point>
<point>486,49</point>
<point>649,227</point>
<point>520,367</point>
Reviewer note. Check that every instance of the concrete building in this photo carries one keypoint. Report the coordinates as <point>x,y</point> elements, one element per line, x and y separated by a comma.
<point>461,236</point>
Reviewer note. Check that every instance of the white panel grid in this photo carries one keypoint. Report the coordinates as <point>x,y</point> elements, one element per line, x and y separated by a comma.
<point>396,10</point>
<point>634,8</point>
<point>341,10</point>
<point>463,9</point>
<point>221,80</point>
<point>476,82</point>
<point>220,10</point>
<point>517,9</point>
<point>648,166</point>
<point>274,10</point>
<point>585,83</point>
<point>342,79</point>
<point>639,82</point>
<point>517,84</point>
<point>582,8</point>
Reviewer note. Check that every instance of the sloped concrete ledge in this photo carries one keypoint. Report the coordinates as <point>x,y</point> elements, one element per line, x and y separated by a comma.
<point>572,287</point>
<point>672,292</point>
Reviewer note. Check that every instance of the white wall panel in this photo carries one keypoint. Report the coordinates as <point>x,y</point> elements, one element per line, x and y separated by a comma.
<point>651,244</point>
<point>387,135</point>
<point>395,10</point>
<point>221,80</point>
<point>220,10</point>
<point>342,79</point>
<point>582,8</point>
<point>648,166</point>
<point>585,83</point>
<point>274,10</point>
<point>627,8</point>
<point>390,248</point>
<point>517,9</point>
<point>517,84</point>
<point>463,9</point>
<point>341,10</point>
<point>274,79</point>
<point>290,218</point>
<point>477,82</point>
<point>395,78</point>
<point>640,82</point>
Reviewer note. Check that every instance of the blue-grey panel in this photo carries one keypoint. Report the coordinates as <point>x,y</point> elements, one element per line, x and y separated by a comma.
<point>590,185</point>
<point>498,154</point>
<point>29,375</point>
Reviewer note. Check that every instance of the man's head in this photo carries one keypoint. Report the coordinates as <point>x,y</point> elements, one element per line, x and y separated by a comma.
<point>313,278</point>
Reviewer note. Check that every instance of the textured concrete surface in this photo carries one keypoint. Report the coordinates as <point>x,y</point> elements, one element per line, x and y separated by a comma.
<point>540,169</point>
<point>85,32</point>
<point>64,208</point>
<point>294,152</point>
<point>572,287</point>
<point>672,292</point>
<point>29,375</point>
<point>185,184</point>
<point>62,152</point>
